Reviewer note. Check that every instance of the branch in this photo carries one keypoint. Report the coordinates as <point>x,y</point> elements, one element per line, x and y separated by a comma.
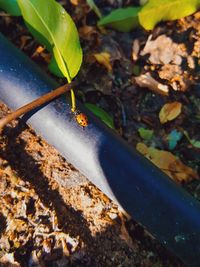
<point>36,103</point>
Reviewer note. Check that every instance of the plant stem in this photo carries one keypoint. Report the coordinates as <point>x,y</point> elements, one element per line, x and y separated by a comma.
<point>73,98</point>
<point>36,103</point>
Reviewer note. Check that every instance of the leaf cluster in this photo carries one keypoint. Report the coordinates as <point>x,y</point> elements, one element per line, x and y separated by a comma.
<point>53,27</point>
<point>148,15</point>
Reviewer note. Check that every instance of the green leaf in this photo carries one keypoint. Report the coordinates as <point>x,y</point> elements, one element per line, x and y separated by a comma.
<point>52,26</point>
<point>54,68</point>
<point>143,2</point>
<point>122,19</point>
<point>195,143</point>
<point>94,7</point>
<point>99,112</point>
<point>173,138</point>
<point>155,11</point>
<point>148,15</point>
<point>11,7</point>
<point>145,134</point>
<point>137,70</point>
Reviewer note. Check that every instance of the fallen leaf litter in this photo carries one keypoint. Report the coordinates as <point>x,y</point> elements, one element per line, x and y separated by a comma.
<point>50,213</point>
<point>166,75</point>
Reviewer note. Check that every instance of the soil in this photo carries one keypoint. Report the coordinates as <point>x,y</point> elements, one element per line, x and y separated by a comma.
<point>50,214</point>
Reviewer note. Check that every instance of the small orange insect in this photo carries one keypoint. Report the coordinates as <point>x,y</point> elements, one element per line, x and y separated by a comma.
<point>81,118</point>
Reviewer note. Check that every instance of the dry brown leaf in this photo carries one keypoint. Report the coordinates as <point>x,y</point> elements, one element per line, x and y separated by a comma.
<point>75,2</point>
<point>196,50</point>
<point>147,81</point>
<point>178,78</point>
<point>38,51</point>
<point>135,49</point>
<point>47,245</point>
<point>23,41</point>
<point>103,58</point>
<point>168,163</point>
<point>169,71</point>
<point>9,260</point>
<point>163,50</point>
<point>124,234</point>
<point>87,31</point>
<point>170,111</point>
<point>16,225</point>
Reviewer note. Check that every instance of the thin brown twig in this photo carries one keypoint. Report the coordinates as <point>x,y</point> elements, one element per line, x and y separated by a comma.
<point>36,103</point>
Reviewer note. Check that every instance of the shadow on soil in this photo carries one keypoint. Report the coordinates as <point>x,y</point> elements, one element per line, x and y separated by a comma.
<point>95,249</point>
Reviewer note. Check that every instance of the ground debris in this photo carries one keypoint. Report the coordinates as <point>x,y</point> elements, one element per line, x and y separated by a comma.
<point>164,51</point>
<point>168,163</point>
<point>49,212</point>
<point>42,222</point>
<point>147,81</point>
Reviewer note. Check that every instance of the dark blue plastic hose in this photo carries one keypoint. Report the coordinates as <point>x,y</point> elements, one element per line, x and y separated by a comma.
<point>146,193</point>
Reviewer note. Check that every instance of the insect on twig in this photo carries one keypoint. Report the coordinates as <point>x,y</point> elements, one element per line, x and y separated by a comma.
<point>36,103</point>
